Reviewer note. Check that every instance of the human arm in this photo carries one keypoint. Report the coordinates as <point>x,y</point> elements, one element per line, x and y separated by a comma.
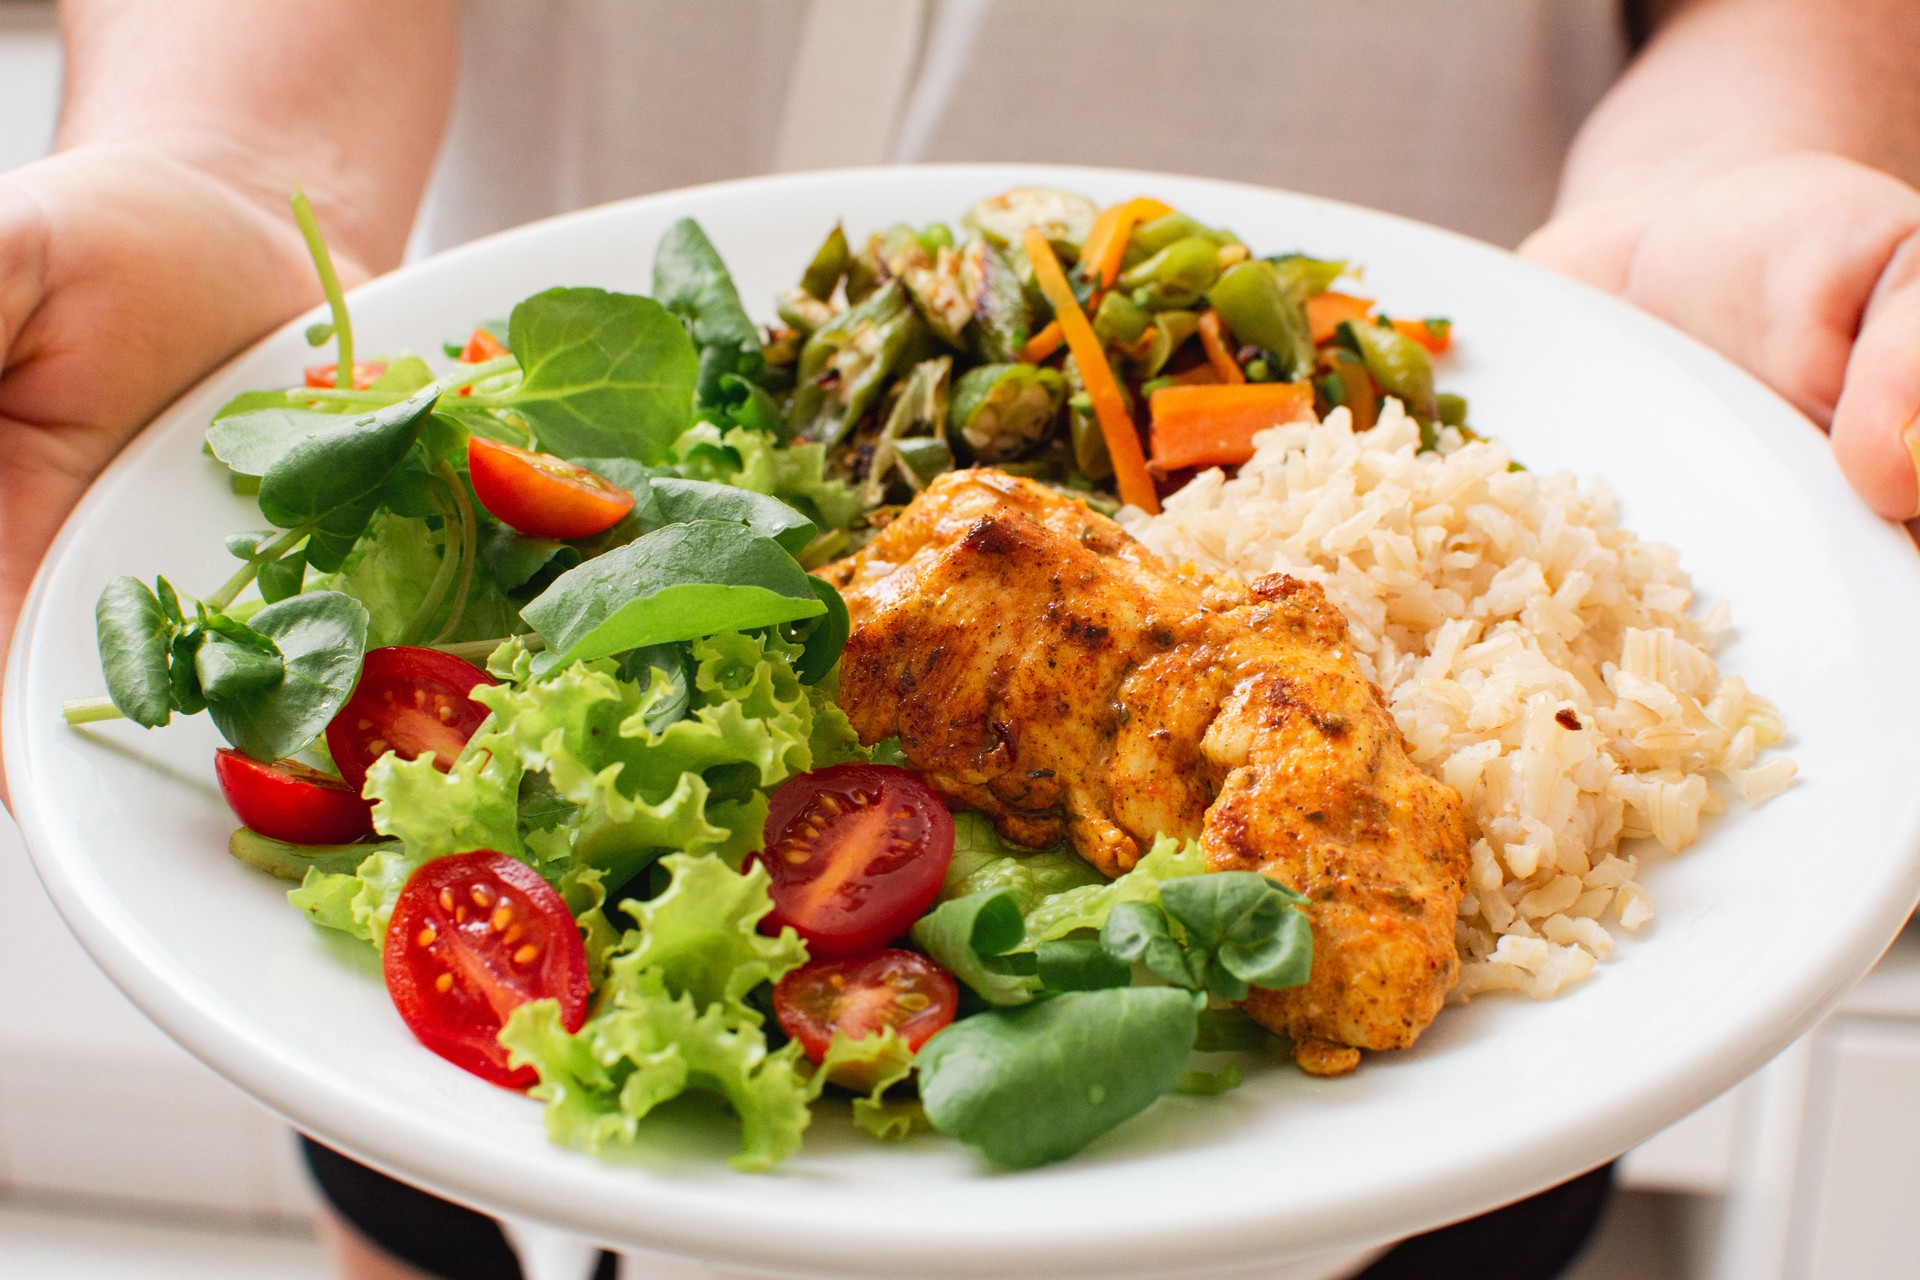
<point>1752,180</point>
<point>157,241</point>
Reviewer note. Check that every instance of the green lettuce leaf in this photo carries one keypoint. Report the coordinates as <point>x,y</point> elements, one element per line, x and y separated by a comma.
<point>1086,907</point>
<point>361,902</point>
<point>983,860</point>
<point>795,474</point>
<point>870,1066</point>
<point>672,1017</point>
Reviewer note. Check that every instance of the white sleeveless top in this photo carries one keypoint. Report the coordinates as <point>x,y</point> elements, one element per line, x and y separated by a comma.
<point>1456,112</point>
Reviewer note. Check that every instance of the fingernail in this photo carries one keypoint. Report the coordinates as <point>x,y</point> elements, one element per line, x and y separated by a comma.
<point>1911,438</point>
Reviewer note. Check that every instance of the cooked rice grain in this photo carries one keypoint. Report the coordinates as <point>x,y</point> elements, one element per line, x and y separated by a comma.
<point>1538,657</point>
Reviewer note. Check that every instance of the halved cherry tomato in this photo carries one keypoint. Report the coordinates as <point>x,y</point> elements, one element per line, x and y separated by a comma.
<point>364,375</point>
<point>472,938</point>
<point>289,801</point>
<point>856,854</point>
<point>409,700</point>
<point>481,347</point>
<point>862,997</point>
<point>541,495</point>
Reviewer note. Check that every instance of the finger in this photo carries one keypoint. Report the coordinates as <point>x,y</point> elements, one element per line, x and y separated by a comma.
<point>1876,425</point>
<point>1593,244</point>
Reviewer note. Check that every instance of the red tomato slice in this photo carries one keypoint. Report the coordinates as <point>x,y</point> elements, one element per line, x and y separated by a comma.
<point>364,375</point>
<point>481,347</point>
<point>473,937</point>
<point>540,495</point>
<point>856,854</point>
<point>289,801</point>
<point>409,700</point>
<point>862,997</point>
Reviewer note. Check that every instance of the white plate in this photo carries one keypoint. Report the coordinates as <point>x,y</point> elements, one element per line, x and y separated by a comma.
<point>1764,922</point>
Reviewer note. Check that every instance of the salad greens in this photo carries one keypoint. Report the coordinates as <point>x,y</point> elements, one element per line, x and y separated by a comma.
<point>660,678</point>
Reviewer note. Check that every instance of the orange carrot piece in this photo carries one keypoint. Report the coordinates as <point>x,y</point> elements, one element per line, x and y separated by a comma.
<point>1329,311</point>
<point>1043,344</point>
<point>1201,375</point>
<point>1215,426</point>
<point>1106,244</point>
<point>1211,337</point>
<point>1423,332</point>
<point>1109,409</point>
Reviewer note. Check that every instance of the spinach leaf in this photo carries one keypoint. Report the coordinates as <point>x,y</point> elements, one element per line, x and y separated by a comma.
<point>674,501</point>
<point>320,637</point>
<point>823,637</point>
<point>334,476</point>
<point>1248,926</point>
<point>604,373</point>
<point>1038,1083</point>
<point>251,442</point>
<point>135,633</point>
<point>690,280</point>
<point>678,583</point>
<point>1078,964</point>
<point>1137,933</point>
<point>967,934</point>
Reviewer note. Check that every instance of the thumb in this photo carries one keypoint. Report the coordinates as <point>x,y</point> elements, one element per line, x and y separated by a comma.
<point>1593,243</point>
<point>23,264</point>
<point>1876,424</point>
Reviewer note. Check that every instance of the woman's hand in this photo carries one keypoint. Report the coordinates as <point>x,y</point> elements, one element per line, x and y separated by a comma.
<point>1804,268</point>
<point>125,275</point>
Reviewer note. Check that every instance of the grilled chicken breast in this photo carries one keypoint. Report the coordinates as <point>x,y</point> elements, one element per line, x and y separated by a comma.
<point>1039,665</point>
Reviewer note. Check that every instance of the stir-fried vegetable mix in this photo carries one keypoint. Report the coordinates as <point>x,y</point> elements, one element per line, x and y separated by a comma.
<point>597,865</point>
<point>1108,351</point>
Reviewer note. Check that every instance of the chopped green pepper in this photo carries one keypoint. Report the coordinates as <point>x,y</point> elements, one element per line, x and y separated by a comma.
<point>1306,277</point>
<point>1172,329</point>
<point>1150,238</point>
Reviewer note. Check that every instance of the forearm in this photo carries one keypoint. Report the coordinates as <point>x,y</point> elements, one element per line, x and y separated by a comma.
<point>347,98</point>
<point>1726,82</point>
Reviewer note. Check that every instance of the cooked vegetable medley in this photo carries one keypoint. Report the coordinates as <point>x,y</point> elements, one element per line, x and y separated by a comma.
<point>528,686</point>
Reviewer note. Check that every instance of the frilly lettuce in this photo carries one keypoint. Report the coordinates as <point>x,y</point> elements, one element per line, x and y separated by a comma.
<point>672,1016</point>
<point>1086,907</point>
<point>360,903</point>
<point>568,775</point>
<point>795,474</point>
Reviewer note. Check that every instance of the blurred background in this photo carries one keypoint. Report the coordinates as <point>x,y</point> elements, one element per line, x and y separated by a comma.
<point>121,1156</point>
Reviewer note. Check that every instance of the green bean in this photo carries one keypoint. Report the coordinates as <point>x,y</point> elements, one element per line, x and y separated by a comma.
<point>1172,329</point>
<point>1002,322</point>
<point>1452,409</point>
<point>1118,321</point>
<point>920,406</point>
<point>936,236</point>
<point>1002,410</point>
<point>1150,238</point>
<point>1258,309</point>
<point>1398,363</point>
<point>846,363</point>
<point>1306,277</point>
<point>1176,276</point>
<point>829,263</point>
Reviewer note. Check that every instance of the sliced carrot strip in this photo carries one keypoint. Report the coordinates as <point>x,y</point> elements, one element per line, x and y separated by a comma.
<point>1214,426</point>
<point>1043,344</point>
<point>1211,337</point>
<point>1106,244</point>
<point>1423,332</point>
<point>1328,311</point>
<point>1109,408</point>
